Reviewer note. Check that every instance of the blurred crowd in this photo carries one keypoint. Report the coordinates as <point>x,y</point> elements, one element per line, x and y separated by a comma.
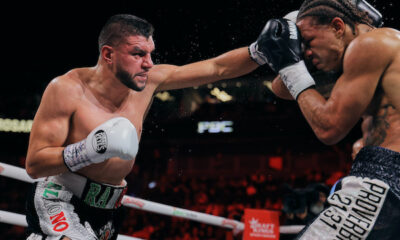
<point>298,198</point>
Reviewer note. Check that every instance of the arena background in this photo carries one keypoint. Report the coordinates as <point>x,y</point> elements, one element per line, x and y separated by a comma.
<point>270,150</point>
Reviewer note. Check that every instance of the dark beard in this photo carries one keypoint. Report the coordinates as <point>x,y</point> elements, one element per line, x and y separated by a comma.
<point>127,80</point>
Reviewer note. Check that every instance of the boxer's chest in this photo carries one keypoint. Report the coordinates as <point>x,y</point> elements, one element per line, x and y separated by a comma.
<point>90,113</point>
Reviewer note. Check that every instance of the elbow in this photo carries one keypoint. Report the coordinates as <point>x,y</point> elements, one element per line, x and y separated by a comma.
<point>31,170</point>
<point>32,173</point>
<point>223,72</point>
<point>331,132</point>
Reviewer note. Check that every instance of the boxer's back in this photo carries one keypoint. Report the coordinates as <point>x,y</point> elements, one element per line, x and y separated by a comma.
<point>383,114</point>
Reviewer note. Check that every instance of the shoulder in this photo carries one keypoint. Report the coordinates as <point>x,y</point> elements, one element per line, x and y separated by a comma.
<point>160,73</point>
<point>381,40</point>
<point>372,50</point>
<point>385,35</point>
<point>63,94</point>
<point>69,84</point>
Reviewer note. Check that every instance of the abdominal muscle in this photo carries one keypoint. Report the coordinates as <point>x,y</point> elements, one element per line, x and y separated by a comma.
<point>112,171</point>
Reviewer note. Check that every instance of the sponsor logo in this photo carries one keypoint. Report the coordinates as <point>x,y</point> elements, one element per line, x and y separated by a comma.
<point>264,230</point>
<point>134,201</point>
<point>119,201</point>
<point>183,213</point>
<point>106,232</point>
<point>100,141</point>
<point>227,222</point>
<point>215,127</point>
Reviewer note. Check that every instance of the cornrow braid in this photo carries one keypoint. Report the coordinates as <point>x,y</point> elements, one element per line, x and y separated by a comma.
<point>326,10</point>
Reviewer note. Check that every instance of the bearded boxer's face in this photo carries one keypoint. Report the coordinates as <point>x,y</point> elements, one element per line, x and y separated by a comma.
<point>133,61</point>
<point>322,46</point>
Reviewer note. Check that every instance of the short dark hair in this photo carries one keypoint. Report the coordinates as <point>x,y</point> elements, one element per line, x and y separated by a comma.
<point>326,10</point>
<point>122,25</point>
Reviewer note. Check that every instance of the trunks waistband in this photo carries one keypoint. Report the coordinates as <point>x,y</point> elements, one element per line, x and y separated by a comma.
<point>379,163</point>
<point>94,194</point>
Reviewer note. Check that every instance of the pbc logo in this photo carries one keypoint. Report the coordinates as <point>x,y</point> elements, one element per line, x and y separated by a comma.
<point>215,127</point>
<point>100,141</point>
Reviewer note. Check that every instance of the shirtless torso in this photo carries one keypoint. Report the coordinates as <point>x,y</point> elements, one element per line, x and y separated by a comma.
<point>92,110</point>
<point>82,99</point>
<point>381,118</point>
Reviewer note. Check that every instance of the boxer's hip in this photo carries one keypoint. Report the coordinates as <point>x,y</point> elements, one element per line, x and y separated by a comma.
<point>378,163</point>
<point>92,193</point>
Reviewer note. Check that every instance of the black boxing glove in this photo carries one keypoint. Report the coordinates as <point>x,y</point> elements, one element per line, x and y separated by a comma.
<point>279,45</point>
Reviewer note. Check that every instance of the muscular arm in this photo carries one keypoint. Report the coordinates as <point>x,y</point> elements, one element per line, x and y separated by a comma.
<point>228,65</point>
<point>323,84</point>
<point>279,89</point>
<point>333,118</point>
<point>50,129</point>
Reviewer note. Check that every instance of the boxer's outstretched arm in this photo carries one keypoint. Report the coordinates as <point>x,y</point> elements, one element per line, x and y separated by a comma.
<point>50,129</point>
<point>232,64</point>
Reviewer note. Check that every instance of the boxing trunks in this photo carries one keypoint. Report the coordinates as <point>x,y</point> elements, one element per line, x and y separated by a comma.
<point>364,205</point>
<point>73,206</point>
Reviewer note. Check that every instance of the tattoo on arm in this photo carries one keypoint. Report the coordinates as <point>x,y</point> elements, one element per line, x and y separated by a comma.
<point>378,128</point>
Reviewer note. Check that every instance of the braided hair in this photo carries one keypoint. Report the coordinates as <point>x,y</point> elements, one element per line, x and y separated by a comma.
<point>326,10</point>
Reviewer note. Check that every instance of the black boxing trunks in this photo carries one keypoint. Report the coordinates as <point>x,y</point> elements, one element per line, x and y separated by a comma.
<point>73,206</point>
<point>365,204</point>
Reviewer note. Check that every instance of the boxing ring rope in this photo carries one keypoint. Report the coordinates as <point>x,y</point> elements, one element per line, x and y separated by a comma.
<point>19,220</point>
<point>141,204</point>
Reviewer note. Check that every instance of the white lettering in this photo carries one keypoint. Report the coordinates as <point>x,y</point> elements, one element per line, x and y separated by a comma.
<point>215,127</point>
<point>355,208</point>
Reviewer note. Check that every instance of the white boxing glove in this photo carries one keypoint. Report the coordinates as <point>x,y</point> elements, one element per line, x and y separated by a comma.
<point>116,137</point>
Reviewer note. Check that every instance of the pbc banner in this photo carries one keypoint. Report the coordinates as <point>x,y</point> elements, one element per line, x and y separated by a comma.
<point>261,225</point>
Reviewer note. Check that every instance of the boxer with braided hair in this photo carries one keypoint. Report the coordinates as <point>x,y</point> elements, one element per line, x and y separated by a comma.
<point>360,10</point>
<point>335,36</point>
<point>326,10</point>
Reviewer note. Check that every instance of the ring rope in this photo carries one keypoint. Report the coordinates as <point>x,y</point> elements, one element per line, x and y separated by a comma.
<point>145,205</point>
<point>20,220</point>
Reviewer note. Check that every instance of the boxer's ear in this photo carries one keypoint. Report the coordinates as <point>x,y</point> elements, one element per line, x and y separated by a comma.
<point>338,26</point>
<point>106,53</point>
